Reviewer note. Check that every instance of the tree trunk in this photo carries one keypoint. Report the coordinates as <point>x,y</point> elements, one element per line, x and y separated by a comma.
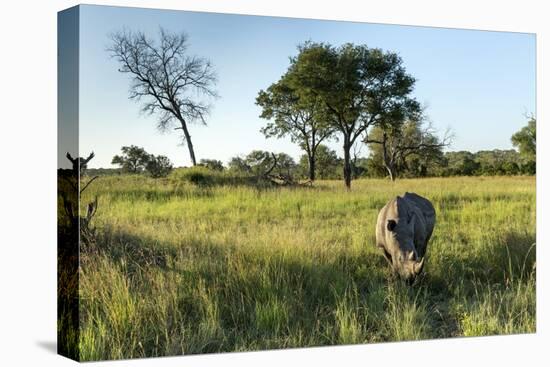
<point>388,162</point>
<point>347,163</point>
<point>188,141</point>
<point>391,171</point>
<point>390,166</point>
<point>311,167</point>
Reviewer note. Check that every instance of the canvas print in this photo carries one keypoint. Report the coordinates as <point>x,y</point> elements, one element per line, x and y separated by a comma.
<point>241,183</point>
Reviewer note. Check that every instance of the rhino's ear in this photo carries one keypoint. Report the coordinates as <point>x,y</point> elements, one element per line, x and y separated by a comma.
<point>391,224</point>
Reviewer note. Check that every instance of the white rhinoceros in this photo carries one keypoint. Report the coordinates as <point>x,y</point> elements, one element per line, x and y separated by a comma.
<point>404,227</point>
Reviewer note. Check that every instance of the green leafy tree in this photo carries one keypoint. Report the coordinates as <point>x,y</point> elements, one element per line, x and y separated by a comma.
<point>286,168</point>
<point>510,168</point>
<point>497,162</point>
<point>375,167</point>
<point>298,118</point>
<point>212,164</point>
<point>357,87</point>
<point>484,162</point>
<point>528,167</point>
<point>158,166</point>
<point>239,165</point>
<point>265,165</point>
<point>328,164</point>
<point>259,162</point>
<point>526,142</point>
<point>461,163</point>
<point>133,159</point>
<point>359,164</point>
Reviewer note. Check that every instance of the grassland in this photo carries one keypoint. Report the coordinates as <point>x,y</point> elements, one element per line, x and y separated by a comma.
<point>180,268</point>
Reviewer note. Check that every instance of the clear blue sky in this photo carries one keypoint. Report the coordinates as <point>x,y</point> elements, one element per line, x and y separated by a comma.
<point>478,83</point>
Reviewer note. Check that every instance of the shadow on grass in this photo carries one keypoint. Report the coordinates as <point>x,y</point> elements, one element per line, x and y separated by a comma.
<point>263,300</point>
<point>229,298</point>
<point>511,256</point>
<point>497,265</point>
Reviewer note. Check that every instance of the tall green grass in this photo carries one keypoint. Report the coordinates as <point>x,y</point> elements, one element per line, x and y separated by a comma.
<point>180,267</point>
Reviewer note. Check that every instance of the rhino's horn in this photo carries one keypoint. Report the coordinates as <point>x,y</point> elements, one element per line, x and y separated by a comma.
<point>418,266</point>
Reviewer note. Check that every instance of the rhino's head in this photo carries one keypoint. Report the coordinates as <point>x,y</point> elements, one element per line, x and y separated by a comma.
<point>405,261</point>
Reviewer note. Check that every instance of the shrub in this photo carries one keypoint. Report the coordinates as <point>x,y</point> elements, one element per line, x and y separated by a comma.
<point>158,166</point>
<point>212,164</point>
<point>198,175</point>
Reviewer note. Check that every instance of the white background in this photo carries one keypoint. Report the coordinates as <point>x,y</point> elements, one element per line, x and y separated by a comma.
<point>28,182</point>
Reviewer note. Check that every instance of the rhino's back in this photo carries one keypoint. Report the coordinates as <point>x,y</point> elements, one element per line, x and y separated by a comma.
<point>425,207</point>
<point>422,203</point>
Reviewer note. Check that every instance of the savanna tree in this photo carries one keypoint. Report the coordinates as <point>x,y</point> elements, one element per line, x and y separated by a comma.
<point>526,142</point>
<point>461,163</point>
<point>497,162</point>
<point>266,166</point>
<point>359,164</point>
<point>133,159</point>
<point>239,165</point>
<point>328,164</point>
<point>166,79</point>
<point>407,146</point>
<point>285,168</point>
<point>358,87</point>
<point>290,115</point>
<point>158,166</point>
<point>212,164</point>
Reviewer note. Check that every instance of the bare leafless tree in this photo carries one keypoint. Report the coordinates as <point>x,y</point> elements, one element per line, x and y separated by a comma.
<point>400,141</point>
<point>166,79</point>
<point>289,116</point>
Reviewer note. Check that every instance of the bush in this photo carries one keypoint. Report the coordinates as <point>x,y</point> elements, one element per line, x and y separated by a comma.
<point>198,175</point>
<point>202,176</point>
<point>158,166</point>
<point>212,164</point>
